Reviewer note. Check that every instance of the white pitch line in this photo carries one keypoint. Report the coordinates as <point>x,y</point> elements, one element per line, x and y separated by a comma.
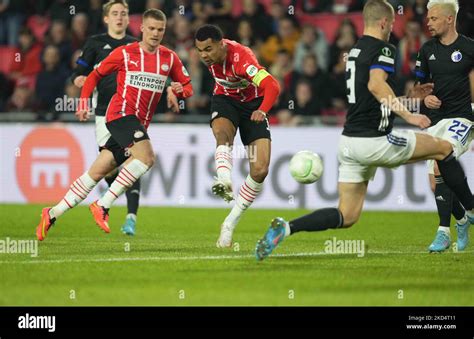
<point>199,258</point>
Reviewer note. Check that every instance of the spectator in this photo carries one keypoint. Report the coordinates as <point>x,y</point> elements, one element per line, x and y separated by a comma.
<point>21,100</point>
<point>96,23</point>
<point>307,101</point>
<point>261,23</point>
<point>282,69</point>
<point>64,10</point>
<point>315,76</point>
<point>337,84</point>
<point>312,42</point>
<point>184,40</point>
<point>11,18</point>
<point>29,62</point>
<point>79,30</point>
<point>245,35</point>
<point>277,12</point>
<point>215,12</point>
<point>420,11</point>
<point>50,82</point>
<point>58,36</point>
<point>346,37</point>
<point>286,38</point>
<point>203,83</point>
<point>408,48</point>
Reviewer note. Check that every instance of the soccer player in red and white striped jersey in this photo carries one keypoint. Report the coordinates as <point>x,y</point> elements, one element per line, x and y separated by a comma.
<point>243,95</point>
<point>142,70</point>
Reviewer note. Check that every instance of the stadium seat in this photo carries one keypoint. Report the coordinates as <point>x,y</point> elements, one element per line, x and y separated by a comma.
<point>39,25</point>
<point>7,55</point>
<point>134,25</point>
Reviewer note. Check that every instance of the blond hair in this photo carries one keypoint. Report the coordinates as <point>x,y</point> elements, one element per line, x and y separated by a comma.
<point>106,7</point>
<point>374,10</point>
<point>449,6</point>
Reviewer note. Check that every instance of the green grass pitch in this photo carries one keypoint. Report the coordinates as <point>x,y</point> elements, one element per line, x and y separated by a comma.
<point>173,261</point>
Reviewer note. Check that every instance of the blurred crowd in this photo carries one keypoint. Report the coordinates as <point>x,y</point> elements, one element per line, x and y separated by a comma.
<point>303,44</point>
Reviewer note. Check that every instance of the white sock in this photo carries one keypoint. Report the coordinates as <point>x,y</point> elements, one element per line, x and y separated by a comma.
<point>462,221</point>
<point>444,229</point>
<point>247,194</point>
<point>132,216</point>
<point>223,158</point>
<point>78,191</point>
<point>125,179</point>
<point>287,229</point>
<point>470,214</point>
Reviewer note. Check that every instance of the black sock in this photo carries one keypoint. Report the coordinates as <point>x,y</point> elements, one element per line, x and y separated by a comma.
<point>458,210</point>
<point>133,197</point>
<point>319,220</point>
<point>444,198</point>
<point>454,177</point>
<point>110,179</point>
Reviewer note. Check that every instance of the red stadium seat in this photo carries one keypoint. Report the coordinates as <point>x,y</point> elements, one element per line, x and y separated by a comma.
<point>39,25</point>
<point>134,25</point>
<point>7,55</point>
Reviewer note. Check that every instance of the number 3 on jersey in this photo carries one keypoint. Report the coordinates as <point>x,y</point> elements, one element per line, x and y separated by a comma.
<point>350,82</point>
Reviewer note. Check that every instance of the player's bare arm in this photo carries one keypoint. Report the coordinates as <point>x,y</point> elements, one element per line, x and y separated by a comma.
<point>271,90</point>
<point>382,91</point>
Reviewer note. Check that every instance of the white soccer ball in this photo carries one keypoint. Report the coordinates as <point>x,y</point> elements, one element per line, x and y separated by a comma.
<point>306,167</point>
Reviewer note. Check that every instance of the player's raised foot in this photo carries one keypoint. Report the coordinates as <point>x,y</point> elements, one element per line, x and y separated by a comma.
<point>441,242</point>
<point>463,234</point>
<point>271,239</point>
<point>101,216</point>
<point>45,224</point>
<point>128,227</point>
<point>223,189</point>
<point>225,238</point>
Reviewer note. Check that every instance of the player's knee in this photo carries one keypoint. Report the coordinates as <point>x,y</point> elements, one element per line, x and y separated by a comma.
<point>222,136</point>
<point>445,149</point>
<point>259,172</point>
<point>350,219</point>
<point>149,160</point>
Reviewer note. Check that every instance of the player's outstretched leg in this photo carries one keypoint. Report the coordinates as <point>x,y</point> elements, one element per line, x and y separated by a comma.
<point>351,201</point>
<point>133,200</point>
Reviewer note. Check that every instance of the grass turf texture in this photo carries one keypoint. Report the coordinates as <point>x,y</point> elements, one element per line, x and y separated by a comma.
<point>173,261</point>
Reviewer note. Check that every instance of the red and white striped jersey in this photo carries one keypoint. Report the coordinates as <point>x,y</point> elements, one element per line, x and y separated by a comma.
<point>141,79</point>
<point>238,76</point>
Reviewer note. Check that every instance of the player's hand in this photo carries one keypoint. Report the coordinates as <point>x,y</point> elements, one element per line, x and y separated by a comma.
<point>258,116</point>
<point>177,87</point>
<point>420,120</point>
<point>80,80</point>
<point>431,101</point>
<point>83,115</point>
<point>420,91</point>
<point>172,101</point>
